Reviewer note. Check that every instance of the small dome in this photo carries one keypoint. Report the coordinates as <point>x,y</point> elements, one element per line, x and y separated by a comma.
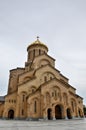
<point>37,42</point>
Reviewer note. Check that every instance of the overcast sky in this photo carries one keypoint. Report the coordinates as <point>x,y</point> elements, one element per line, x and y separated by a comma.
<point>60,24</point>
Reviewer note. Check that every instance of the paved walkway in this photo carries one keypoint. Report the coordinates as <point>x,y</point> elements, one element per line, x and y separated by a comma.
<point>43,125</point>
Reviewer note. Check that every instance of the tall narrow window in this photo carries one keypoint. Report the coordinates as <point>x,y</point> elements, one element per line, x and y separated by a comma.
<point>39,51</point>
<point>44,51</point>
<point>72,103</point>
<point>35,106</point>
<point>52,94</point>
<point>50,78</point>
<point>55,93</point>
<point>33,52</point>
<point>45,78</point>
<point>23,98</point>
<point>32,90</point>
<point>22,112</point>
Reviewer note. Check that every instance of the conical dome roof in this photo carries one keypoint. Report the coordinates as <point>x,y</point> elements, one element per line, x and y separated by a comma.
<point>37,43</point>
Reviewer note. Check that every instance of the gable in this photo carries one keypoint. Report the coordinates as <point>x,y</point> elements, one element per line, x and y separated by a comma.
<point>49,72</point>
<point>42,60</point>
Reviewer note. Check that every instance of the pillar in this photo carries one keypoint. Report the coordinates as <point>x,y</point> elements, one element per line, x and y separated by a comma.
<point>53,113</point>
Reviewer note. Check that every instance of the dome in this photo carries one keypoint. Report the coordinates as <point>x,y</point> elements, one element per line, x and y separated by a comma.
<point>37,43</point>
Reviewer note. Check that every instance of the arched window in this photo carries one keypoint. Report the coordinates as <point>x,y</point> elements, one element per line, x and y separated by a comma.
<point>55,93</point>
<point>39,51</point>
<point>51,78</point>
<point>22,112</point>
<point>72,105</point>
<point>52,94</point>
<point>45,78</point>
<point>35,106</point>
<point>23,98</point>
<point>32,90</point>
<point>33,52</point>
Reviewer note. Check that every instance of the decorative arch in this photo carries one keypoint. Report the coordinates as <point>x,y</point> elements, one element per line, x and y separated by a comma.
<point>26,78</point>
<point>49,113</point>
<point>43,62</point>
<point>68,112</point>
<point>35,107</point>
<point>23,95</point>
<point>23,92</point>
<point>32,89</point>
<point>47,76</point>
<point>56,92</point>
<point>80,113</point>
<point>11,113</point>
<point>59,111</point>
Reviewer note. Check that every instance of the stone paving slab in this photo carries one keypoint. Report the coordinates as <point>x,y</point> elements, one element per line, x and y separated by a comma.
<point>43,125</point>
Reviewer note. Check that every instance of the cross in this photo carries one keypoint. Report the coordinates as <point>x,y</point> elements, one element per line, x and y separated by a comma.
<point>37,37</point>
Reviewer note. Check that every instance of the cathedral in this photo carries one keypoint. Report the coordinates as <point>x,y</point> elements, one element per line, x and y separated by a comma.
<point>39,91</point>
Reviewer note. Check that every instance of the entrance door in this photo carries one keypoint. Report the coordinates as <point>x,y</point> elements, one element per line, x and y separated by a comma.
<point>58,112</point>
<point>11,114</point>
<point>49,114</point>
<point>69,113</point>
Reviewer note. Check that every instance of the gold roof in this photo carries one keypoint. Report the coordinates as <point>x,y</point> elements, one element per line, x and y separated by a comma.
<point>38,42</point>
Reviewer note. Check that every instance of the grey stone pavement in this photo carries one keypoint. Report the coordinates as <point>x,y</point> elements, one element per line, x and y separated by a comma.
<point>73,124</point>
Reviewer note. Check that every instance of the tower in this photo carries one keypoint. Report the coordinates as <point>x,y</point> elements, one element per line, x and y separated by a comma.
<point>35,49</point>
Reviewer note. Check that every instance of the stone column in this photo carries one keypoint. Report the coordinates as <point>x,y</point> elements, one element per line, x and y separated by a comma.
<point>65,114</point>
<point>53,113</point>
<point>45,115</point>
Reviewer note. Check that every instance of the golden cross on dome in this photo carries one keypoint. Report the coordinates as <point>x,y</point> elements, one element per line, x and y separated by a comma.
<point>37,38</point>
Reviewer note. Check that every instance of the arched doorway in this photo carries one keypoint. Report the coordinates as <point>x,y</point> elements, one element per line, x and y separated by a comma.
<point>49,114</point>
<point>58,112</point>
<point>11,114</point>
<point>69,113</point>
<point>80,113</point>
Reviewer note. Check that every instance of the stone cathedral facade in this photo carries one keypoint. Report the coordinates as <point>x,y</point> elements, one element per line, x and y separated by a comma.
<point>39,90</point>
